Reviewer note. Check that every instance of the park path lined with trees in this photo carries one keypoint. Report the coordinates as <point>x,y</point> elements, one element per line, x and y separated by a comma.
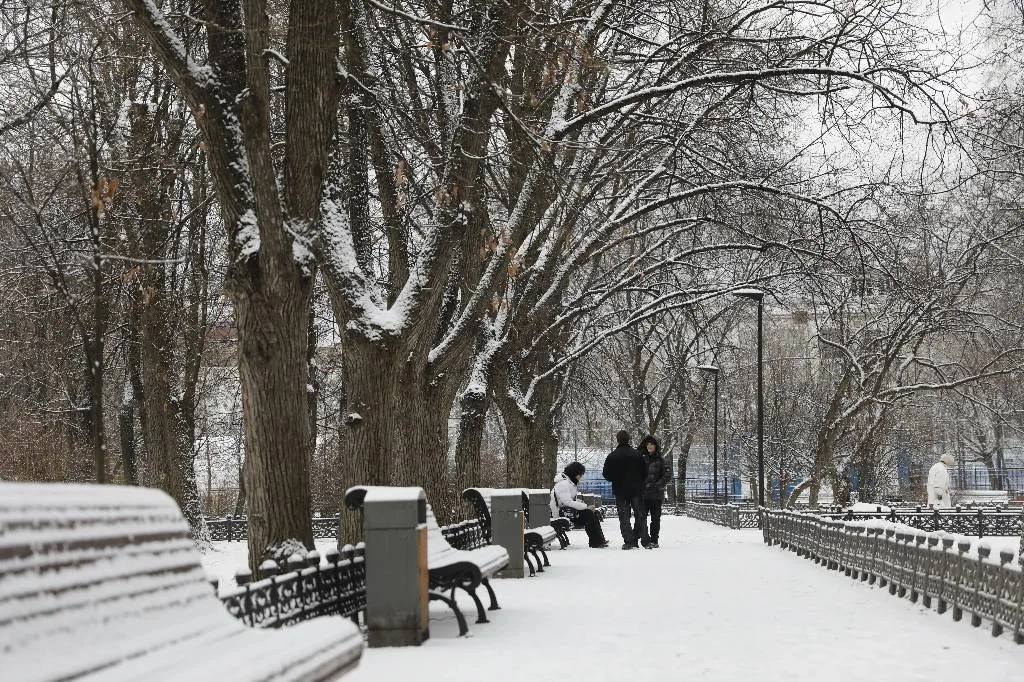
<point>306,245</point>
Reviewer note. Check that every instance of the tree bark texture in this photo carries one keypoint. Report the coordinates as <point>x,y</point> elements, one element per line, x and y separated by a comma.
<point>268,205</point>
<point>167,410</point>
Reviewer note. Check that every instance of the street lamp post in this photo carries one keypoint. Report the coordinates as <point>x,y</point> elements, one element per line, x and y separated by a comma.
<point>758,295</point>
<point>714,457</point>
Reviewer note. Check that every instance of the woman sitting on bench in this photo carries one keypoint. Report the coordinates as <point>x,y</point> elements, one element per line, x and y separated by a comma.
<point>564,495</point>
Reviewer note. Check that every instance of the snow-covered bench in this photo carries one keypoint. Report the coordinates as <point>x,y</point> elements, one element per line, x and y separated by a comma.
<point>450,569</point>
<point>103,583</point>
<point>534,539</point>
<point>560,525</point>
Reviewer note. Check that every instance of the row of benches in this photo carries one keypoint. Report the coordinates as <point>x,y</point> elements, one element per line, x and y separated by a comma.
<point>107,578</point>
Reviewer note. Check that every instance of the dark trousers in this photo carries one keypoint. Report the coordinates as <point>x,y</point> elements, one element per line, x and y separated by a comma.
<point>652,507</point>
<point>592,525</point>
<point>635,505</point>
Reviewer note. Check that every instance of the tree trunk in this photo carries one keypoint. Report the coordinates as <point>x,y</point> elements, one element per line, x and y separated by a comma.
<point>272,337</point>
<point>166,413</point>
<point>999,455</point>
<point>396,423</point>
<point>165,428</point>
<point>518,433</point>
<point>240,500</point>
<point>129,445</point>
<point>681,493</point>
<point>473,406</point>
<point>97,427</point>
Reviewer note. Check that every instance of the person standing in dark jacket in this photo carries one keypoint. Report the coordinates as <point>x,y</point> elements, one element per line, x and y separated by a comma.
<point>658,478</point>
<point>627,471</point>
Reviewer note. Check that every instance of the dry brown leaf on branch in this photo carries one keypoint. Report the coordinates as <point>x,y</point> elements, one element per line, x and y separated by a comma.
<point>400,173</point>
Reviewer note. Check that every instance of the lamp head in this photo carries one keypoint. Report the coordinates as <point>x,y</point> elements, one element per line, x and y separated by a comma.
<point>749,292</point>
<point>708,368</point>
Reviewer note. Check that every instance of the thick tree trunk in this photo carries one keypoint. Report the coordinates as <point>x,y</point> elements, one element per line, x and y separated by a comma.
<point>272,338</point>
<point>396,424</point>
<point>549,458</point>
<point>473,406</point>
<point>518,437</point>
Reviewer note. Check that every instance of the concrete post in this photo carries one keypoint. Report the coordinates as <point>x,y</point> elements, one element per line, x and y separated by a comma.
<point>395,533</point>
<point>507,529</point>
<point>540,511</point>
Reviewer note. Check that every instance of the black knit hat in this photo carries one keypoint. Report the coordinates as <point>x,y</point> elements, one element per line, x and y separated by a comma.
<point>574,470</point>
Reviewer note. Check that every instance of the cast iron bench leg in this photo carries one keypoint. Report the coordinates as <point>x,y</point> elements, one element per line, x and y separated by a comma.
<point>536,557</point>
<point>463,628</point>
<point>481,614</point>
<point>494,600</point>
<point>529,564</point>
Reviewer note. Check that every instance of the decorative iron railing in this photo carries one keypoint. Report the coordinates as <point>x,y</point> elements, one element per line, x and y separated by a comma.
<point>469,534</point>
<point>233,528</point>
<point>981,522</point>
<point>915,564</point>
<point>728,515</point>
<point>307,590</point>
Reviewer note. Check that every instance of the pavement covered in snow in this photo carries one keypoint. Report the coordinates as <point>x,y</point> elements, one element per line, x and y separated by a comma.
<point>712,604</point>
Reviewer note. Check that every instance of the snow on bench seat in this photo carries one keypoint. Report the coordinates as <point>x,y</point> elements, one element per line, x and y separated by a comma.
<point>440,554</point>
<point>536,539</point>
<point>448,568</point>
<point>103,583</point>
<point>547,533</point>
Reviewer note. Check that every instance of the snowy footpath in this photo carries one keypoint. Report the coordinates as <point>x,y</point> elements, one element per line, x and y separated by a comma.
<point>711,604</point>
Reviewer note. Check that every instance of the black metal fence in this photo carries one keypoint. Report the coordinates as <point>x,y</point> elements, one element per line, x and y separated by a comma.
<point>466,535</point>
<point>233,528</point>
<point>915,564</point>
<point>728,515</point>
<point>307,590</point>
<point>982,522</point>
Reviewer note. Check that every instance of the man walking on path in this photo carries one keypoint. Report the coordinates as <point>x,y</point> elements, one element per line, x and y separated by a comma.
<point>627,471</point>
<point>658,478</point>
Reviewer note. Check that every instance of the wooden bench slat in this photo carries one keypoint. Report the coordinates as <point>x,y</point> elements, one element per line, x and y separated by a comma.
<point>102,582</point>
<point>316,649</point>
<point>79,592</point>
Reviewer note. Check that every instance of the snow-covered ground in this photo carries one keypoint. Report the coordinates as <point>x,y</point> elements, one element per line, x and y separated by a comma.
<point>712,604</point>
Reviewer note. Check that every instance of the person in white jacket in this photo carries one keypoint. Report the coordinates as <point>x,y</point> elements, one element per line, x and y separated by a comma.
<point>563,495</point>
<point>940,494</point>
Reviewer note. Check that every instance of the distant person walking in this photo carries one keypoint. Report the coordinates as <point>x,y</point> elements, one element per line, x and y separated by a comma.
<point>627,471</point>
<point>658,478</point>
<point>940,494</point>
<point>564,493</point>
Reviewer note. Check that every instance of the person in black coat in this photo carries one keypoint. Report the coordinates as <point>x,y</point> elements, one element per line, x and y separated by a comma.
<point>627,471</point>
<point>658,478</point>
